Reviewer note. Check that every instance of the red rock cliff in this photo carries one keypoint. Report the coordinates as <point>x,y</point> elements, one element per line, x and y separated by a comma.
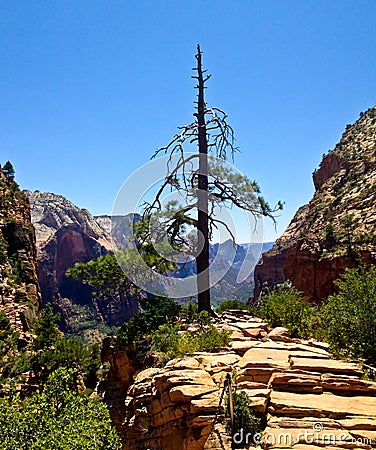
<point>67,235</point>
<point>337,229</point>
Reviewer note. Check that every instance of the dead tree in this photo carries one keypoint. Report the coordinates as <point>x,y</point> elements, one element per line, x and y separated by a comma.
<point>202,259</point>
<point>204,188</point>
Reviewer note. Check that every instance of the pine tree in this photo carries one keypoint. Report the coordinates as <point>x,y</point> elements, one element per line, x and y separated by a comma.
<point>8,170</point>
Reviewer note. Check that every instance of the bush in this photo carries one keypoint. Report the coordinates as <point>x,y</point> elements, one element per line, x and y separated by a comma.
<point>46,329</point>
<point>49,351</point>
<point>244,417</point>
<point>156,312</point>
<point>57,418</point>
<point>189,312</point>
<point>287,309</point>
<point>170,340</point>
<point>348,320</point>
<point>8,341</point>
<point>211,339</point>
<point>166,339</point>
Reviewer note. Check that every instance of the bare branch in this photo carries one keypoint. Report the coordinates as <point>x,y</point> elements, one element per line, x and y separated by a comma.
<point>215,221</point>
<point>156,202</point>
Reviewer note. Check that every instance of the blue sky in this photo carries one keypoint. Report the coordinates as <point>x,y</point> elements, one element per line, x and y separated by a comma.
<point>89,89</point>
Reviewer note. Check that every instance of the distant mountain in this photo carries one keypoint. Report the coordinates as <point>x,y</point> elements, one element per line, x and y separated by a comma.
<point>120,227</point>
<point>238,261</point>
<point>66,235</point>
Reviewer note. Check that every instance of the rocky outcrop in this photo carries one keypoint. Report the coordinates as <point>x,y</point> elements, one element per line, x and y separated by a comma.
<point>303,394</point>
<point>67,235</point>
<point>337,229</point>
<point>19,289</point>
<point>330,165</point>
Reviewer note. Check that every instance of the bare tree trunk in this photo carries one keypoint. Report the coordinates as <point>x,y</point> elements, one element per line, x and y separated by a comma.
<point>202,259</point>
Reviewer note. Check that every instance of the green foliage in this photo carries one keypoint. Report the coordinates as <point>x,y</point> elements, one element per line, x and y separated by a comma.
<point>67,353</point>
<point>4,322</point>
<point>46,329</point>
<point>211,339</point>
<point>112,274</point>
<point>82,318</point>
<point>49,351</point>
<point>8,170</point>
<point>189,314</point>
<point>3,252</point>
<point>57,418</point>
<point>103,274</point>
<point>189,311</point>
<point>8,339</point>
<point>330,235</point>
<point>170,340</point>
<point>348,320</point>
<point>244,416</point>
<point>287,309</point>
<point>156,311</point>
<point>231,304</point>
<point>166,339</point>
<point>18,268</point>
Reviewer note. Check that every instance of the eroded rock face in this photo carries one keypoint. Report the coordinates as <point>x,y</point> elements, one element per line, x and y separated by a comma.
<point>337,229</point>
<point>293,384</point>
<point>19,289</point>
<point>67,235</point>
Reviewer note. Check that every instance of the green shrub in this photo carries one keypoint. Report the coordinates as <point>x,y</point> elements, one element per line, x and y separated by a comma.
<point>244,416</point>
<point>189,312</point>
<point>166,339</point>
<point>9,341</point>
<point>4,322</point>
<point>45,328</point>
<point>170,340</point>
<point>212,339</point>
<point>49,351</point>
<point>287,309</point>
<point>67,353</point>
<point>57,418</point>
<point>3,252</point>
<point>348,320</point>
<point>156,311</point>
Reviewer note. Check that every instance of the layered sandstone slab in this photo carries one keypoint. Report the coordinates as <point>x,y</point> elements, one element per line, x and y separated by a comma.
<point>324,405</point>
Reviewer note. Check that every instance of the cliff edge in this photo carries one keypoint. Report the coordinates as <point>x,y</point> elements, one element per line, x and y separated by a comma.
<point>19,289</point>
<point>337,229</point>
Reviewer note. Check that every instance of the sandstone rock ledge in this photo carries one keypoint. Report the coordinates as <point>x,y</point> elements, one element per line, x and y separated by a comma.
<point>309,399</point>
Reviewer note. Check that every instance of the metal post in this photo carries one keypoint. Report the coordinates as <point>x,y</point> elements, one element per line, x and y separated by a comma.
<point>231,408</point>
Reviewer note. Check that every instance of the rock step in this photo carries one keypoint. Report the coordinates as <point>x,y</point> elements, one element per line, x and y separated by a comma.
<point>321,405</point>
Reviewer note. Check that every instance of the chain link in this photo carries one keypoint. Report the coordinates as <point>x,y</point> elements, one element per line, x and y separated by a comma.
<point>225,387</point>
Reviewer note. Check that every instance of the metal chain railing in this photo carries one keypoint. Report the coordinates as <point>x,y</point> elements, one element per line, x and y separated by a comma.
<point>227,386</point>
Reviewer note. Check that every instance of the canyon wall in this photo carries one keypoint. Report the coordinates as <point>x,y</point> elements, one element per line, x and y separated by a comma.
<point>19,289</point>
<point>337,228</point>
<point>67,235</point>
